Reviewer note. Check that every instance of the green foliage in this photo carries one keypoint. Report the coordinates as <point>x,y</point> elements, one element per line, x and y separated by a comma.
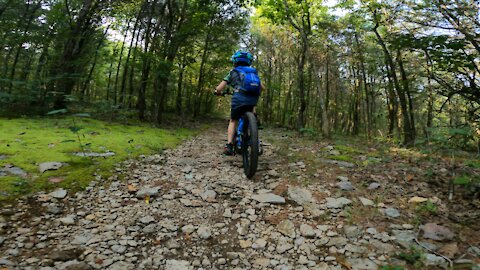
<point>414,256</point>
<point>462,180</point>
<point>427,208</point>
<point>26,143</point>
<point>473,164</point>
<point>310,132</point>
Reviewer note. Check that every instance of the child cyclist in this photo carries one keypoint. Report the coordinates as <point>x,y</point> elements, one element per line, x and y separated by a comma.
<point>246,91</point>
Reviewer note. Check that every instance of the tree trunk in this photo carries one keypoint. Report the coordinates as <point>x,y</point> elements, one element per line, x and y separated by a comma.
<point>406,105</point>
<point>117,74</point>
<point>73,49</point>
<point>90,74</point>
<point>20,46</point>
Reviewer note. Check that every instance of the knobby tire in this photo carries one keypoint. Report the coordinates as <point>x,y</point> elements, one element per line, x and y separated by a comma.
<point>250,145</point>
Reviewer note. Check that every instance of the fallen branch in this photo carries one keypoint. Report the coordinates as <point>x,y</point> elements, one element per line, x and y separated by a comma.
<point>450,263</point>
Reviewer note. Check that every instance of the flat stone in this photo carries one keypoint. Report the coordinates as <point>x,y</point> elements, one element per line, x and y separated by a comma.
<point>392,212</point>
<point>259,244</point>
<point>334,203</point>
<point>178,265</point>
<point>313,209</point>
<point>362,264</point>
<point>436,232</point>
<point>209,195</point>
<point>307,231</point>
<point>53,209</point>
<point>59,193</point>
<point>119,249</point>
<point>204,232</point>
<point>366,202</point>
<point>373,185</point>
<point>245,243</point>
<point>337,242</point>
<point>261,262</point>
<point>121,265</point>
<point>148,191</point>
<point>66,255</point>
<point>287,228</point>
<point>94,154</point>
<point>188,228</point>
<point>6,262</point>
<point>268,198</point>
<point>300,195</point>
<point>81,239</point>
<point>281,248</point>
<point>67,220</point>
<point>434,260</point>
<point>352,231</point>
<point>14,170</point>
<point>337,162</point>
<point>404,238</point>
<point>147,219</point>
<point>47,166</point>
<point>345,185</point>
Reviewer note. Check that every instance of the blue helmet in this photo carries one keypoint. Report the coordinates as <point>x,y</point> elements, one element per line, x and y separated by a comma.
<point>241,56</point>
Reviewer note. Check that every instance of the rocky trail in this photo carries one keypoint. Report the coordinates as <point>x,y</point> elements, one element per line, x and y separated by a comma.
<point>192,208</point>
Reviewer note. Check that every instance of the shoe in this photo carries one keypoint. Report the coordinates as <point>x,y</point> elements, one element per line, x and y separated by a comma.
<point>228,150</point>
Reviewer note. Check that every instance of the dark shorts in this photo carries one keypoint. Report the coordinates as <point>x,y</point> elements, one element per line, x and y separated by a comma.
<point>237,112</point>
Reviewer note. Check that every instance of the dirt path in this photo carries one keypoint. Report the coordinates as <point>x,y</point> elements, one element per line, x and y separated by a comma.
<point>192,208</point>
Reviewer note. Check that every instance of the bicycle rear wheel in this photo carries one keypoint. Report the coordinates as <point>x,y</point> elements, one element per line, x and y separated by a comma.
<point>250,145</point>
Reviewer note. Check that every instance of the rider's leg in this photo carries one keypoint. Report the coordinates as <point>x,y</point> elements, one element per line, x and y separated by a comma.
<point>231,130</point>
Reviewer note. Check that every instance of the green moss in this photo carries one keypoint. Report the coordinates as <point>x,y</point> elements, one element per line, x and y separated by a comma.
<point>342,158</point>
<point>348,149</point>
<point>27,142</point>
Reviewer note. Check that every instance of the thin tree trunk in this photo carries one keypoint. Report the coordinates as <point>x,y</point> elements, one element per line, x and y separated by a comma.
<point>115,92</point>
<point>89,77</point>
<point>406,105</point>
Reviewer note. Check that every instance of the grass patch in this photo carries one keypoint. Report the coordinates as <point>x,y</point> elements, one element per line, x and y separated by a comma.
<point>27,142</point>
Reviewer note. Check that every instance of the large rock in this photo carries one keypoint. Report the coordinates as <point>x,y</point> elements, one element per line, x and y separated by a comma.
<point>436,232</point>
<point>299,195</point>
<point>268,198</point>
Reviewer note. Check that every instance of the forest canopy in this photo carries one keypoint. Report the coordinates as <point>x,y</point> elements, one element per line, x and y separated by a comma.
<point>406,70</point>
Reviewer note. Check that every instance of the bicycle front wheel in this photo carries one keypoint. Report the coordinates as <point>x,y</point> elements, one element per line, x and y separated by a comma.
<point>250,145</point>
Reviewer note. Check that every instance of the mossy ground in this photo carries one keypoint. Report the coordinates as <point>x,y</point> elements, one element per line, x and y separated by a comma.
<point>27,142</point>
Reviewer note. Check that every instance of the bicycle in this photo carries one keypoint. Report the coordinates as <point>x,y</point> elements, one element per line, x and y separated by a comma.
<point>246,135</point>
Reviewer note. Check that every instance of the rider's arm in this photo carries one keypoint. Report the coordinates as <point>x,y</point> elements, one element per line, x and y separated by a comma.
<point>220,87</point>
